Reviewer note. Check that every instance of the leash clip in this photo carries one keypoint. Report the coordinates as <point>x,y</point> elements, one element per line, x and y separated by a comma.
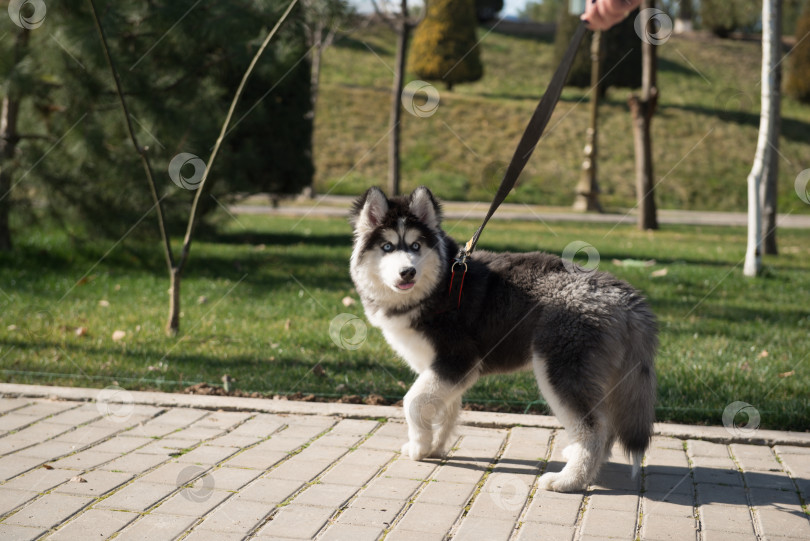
<point>460,259</point>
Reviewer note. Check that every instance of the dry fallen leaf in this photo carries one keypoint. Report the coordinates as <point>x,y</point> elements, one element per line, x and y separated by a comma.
<point>117,336</point>
<point>81,331</point>
<point>78,479</point>
<point>787,374</point>
<point>287,325</point>
<point>47,467</point>
<point>762,354</point>
<point>319,371</point>
<point>658,273</point>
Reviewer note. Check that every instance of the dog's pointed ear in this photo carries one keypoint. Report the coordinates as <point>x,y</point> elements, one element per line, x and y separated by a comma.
<point>369,210</point>
<point>425,207</point>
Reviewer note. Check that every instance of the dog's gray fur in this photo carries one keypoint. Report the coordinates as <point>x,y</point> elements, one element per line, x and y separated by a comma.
<point>590,338</point>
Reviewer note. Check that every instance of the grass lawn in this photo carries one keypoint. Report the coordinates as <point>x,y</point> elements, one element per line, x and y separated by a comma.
<point>259,296</point>
<point>704,131</point>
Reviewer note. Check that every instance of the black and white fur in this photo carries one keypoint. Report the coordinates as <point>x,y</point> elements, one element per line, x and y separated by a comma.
<point>590,338</point>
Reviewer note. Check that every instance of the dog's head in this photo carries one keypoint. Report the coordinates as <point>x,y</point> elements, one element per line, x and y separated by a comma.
<point>398,245</point>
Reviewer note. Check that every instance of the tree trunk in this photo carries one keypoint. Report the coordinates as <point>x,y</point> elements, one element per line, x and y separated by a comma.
<point>768,192</point>
<point>643,108</point>
<point>403,29</point>
<point>314,87</point>
<point>767,125</point>
<point>9,112</point>
<point>173,324</point>
<point>587,198</point>
<point>8,144</point>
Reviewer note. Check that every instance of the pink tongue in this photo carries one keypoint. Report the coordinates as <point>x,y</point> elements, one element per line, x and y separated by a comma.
<point>405,286</point>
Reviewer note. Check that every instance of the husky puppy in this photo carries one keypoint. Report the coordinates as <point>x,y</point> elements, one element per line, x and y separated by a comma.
<point>589,337</point>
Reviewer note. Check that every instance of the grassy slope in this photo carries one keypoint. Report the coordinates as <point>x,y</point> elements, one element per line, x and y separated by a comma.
<point>704,131</point>
<point>262,272</point>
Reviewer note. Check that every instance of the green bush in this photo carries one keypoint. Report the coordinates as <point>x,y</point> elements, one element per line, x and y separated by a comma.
<point>725,16</point>
<point>445,44</point>
<point>798,76</point>
<point>178,89</point>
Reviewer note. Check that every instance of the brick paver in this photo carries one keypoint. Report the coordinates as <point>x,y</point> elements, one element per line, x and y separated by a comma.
<point>79,470</point>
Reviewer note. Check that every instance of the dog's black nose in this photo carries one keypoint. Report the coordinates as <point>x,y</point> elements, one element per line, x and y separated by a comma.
<point>407,273</point>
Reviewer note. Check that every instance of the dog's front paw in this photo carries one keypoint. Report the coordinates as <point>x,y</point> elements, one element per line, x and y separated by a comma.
<point>415,450</point>
<point>558,482</point>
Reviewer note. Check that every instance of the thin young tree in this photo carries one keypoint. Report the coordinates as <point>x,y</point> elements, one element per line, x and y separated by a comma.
<point>768,192</point>
<point>642,108</point>
<point>402,23</point>
<point>587,191</point>
<point>768,117</point>
<point>176,265</point>
<point>322,20</point>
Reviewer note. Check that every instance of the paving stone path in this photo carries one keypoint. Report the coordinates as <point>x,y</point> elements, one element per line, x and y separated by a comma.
<point>90,470</point>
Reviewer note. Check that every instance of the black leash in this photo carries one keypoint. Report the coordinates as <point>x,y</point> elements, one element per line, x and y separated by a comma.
<point>528,142</point>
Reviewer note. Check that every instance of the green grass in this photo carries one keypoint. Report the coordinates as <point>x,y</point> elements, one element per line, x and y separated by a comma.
<point>273,287</point>
<point>704,132</point>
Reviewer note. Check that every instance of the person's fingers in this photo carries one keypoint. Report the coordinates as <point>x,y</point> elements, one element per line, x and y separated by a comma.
<point>603,14</point>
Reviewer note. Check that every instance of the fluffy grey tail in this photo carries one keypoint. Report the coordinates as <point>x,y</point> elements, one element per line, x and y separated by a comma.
<point>632,402</point>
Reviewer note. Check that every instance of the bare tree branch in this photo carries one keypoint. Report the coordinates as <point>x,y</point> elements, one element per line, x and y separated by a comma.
<point>193,217</point>
<point>167,246</point>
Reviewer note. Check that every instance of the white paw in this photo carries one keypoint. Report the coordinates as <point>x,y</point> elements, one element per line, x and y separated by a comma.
<point>558,483</point>
<point>415,451</point>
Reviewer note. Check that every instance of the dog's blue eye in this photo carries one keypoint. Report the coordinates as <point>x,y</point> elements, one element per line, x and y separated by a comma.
<point>415,246</point>
<point>388,247</point>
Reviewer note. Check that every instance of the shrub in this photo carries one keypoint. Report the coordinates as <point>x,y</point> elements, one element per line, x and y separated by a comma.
<point>178,92</point>
<point>725,16</point>
<point>445,44</point>
<point>798,76</point>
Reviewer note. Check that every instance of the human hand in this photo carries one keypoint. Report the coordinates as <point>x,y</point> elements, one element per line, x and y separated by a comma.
<point>602,14</point>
